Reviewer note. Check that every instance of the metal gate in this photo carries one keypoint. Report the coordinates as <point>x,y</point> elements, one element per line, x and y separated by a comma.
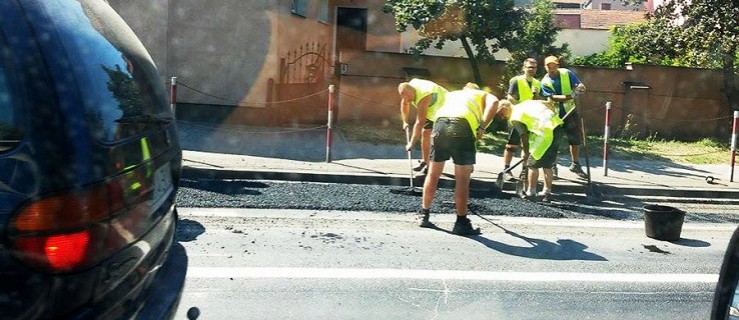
<point>301,92</point>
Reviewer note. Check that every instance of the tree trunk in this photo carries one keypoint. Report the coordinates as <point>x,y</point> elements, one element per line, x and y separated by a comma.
<point>730,80</point>
<point>473,60</point>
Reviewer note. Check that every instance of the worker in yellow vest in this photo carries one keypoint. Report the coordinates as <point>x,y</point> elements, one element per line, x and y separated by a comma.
<point>521,88</point>
<point>421,94</point>
<point>458,124</point>
<point>540,129</point>
<point>561,86</point>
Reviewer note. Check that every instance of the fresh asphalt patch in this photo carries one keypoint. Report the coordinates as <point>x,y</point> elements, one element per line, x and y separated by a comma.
<point>351,197</point>
<point>266,194</point>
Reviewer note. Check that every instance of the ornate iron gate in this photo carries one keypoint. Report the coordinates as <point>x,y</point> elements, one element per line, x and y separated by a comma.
<point>300,95</point>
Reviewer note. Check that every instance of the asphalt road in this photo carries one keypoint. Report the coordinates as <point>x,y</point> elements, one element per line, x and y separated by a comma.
<point>354,197</point>
<point>317,264</point>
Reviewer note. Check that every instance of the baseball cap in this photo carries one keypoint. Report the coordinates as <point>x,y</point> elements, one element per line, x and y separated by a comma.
<point>551,59</point>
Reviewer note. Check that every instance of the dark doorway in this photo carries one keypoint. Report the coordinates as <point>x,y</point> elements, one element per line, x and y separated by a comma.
<point>351,29</point>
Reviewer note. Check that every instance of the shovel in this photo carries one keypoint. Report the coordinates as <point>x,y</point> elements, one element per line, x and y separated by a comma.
<point>520,186</point>
<point>410,190</point>
<point>500,181</point>
<point>591,189</point>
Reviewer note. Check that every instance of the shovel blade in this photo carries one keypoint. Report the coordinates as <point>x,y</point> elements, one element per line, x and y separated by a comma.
<point>500,181</point>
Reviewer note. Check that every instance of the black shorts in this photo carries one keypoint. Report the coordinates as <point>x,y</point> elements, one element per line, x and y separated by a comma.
<point>452,138</point>
<point>428,124</point>
<point>573,129</point>
<point>514,137</point>
<point>550,156</point>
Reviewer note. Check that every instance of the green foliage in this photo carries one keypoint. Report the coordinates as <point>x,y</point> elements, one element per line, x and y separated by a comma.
<point>700,41</point>
<point>688,33</point>
<point>535,40</point>
<point>483,26</point>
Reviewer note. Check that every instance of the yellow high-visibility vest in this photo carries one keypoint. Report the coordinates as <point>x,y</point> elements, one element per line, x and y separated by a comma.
<point>425,88</point>
<point>465,104</point>
<point>540,121</point>
<point>524,91</point>
<point>564,81</point>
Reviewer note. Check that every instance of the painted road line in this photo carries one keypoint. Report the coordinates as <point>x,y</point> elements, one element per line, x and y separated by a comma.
<point>340,273</point>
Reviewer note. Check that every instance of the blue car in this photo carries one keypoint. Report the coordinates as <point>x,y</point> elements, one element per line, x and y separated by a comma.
<point>89,167</point>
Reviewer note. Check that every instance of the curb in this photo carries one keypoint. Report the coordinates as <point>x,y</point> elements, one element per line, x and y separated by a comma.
<point>652,193</point>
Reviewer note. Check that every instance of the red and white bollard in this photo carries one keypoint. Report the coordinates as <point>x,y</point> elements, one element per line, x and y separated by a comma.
<point>606,134</point>
<point>173,96</point>
<point>329,125</point>
<point>733,143</point>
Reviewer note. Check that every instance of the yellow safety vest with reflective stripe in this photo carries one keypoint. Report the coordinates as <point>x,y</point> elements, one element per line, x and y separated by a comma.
<point>564,81</point>
<point>524,91</point>
<point>465,104</point>
<point>540,121</point>
<point>424,88</point>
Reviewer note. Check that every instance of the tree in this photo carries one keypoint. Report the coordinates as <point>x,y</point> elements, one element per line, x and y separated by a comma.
<point>689,33</point>
<point>534,40</point>
<point>483,25</point>
<point>712,36</point>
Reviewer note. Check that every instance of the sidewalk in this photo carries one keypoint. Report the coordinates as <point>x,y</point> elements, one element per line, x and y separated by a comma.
<point>237,152</point>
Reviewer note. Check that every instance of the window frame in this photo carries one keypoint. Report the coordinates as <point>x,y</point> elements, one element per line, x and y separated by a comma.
<point>299,8</point>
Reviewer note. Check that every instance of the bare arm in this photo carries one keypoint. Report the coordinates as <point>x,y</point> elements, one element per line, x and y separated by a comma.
<point>491,108</point>
<point>561,97</point>
<point>405,106</point>
<point>421,111</point>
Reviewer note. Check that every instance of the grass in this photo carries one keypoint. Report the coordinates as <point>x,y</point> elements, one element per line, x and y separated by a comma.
<point>703,151</point>
<point>387,133</point>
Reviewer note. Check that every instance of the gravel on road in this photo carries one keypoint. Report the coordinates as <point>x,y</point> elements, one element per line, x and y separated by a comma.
<point>265,194</point>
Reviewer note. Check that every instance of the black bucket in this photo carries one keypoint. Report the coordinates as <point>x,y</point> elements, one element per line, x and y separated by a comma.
<point>663,222</point>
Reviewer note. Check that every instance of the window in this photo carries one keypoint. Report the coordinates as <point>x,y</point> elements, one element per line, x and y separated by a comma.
<point>10,106</point>
<point>605,6</point>
<point>323,11</point>
<point>119,80</point>
<point>299,7</point>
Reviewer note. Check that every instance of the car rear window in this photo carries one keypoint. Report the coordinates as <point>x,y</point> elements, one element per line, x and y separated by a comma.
<point>11,129</point>
<point>111,67</point>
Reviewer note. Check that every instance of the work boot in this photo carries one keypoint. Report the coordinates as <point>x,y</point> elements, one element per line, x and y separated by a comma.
<point>421,166</point>
<point>463,227</point>
<point>423,215</point>
<point>575,167</point>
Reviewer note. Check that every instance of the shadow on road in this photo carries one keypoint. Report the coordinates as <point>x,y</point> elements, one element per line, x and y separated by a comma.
<point>301,144</point>
<point>188,230</point>
<point>563,249</point>
<point>228,187</point>
<point>691,243</point>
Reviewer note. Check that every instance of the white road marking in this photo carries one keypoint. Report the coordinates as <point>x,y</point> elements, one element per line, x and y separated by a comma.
<point>339,273</point>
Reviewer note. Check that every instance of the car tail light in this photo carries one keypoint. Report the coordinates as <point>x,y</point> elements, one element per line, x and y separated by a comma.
<point>74,230</point>
<point>61,252</point>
